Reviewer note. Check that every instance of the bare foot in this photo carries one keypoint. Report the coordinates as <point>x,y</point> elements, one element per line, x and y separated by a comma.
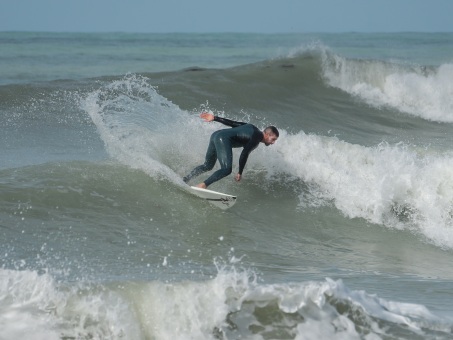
<point>202,186</point>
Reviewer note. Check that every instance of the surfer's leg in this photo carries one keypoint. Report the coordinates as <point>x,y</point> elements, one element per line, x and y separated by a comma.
<point>225,157</point>
<point>210,159</point>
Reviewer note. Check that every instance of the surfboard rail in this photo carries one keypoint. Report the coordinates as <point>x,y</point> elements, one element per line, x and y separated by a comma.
<point>218,199</point>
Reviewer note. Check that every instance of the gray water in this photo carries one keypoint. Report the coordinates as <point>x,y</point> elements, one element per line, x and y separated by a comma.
<point>342,228</point>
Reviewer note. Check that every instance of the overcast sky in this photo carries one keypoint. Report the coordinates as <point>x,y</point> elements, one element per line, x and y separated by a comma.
<point>261,16</point>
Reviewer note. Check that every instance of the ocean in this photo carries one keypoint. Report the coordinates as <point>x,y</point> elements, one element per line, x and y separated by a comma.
<point>343,228</point>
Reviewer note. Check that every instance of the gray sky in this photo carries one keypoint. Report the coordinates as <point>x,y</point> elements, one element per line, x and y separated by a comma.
<point>261,16</point>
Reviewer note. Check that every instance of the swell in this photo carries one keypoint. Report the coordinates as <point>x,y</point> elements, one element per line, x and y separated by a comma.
<point>314,86</point>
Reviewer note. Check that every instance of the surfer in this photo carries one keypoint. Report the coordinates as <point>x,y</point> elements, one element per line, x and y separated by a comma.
<point>221,146</point>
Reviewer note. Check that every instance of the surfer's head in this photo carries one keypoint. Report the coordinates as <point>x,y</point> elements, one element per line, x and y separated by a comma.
<point>270,135</point>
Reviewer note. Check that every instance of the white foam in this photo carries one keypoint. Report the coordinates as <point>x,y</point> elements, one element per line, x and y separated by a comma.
<point>392,185</point>
<point>307,310</point>
<point>25,299</point>
<point>231,305</point>
<point>419,91</point>
<point>34,306</point>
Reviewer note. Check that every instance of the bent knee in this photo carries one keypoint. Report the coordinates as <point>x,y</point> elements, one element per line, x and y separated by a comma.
<point>228,171</point>
<point>215,135</point>
<point>208,166</point>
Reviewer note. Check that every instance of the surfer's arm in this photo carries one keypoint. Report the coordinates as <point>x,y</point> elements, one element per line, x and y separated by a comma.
<point>228,122</point>
<point>244,156</point>
<point>209,117</point>
<point>249,147</point>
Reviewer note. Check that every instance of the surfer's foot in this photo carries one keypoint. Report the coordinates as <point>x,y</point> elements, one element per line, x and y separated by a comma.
<point>202,186</point>
<point>186,179</point>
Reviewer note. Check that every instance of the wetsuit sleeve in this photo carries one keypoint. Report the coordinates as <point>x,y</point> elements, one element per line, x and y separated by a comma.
<point>243,158</point>
<point>246,151</point>
<point>228,122</point>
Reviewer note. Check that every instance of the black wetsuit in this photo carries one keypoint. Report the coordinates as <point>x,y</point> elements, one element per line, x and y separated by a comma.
<point>221,147</point>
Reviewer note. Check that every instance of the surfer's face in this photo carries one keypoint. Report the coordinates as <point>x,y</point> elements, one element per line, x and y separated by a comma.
<point>269,138</point>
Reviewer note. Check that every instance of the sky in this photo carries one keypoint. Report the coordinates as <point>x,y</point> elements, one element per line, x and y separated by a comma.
<point>257,16</point>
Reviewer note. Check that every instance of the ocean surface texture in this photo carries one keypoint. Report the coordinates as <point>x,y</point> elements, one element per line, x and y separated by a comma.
<point>343,229</point>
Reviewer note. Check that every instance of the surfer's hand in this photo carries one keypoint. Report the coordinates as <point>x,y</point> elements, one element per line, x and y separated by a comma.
<point>207,117</point>
<point>238,177</point>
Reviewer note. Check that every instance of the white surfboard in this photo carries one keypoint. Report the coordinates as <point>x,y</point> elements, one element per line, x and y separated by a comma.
<point>220,200</point>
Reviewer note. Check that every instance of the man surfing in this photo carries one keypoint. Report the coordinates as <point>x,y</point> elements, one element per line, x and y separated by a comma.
<point>221,146</point>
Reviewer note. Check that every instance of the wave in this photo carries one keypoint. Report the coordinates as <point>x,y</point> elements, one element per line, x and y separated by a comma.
<point>305,75</point>
<point>399,186</point>
<point>396,185</point>
<point>230,305</point>
<point>392,185</point>
<point>418,90</point>
<point>301,81</point>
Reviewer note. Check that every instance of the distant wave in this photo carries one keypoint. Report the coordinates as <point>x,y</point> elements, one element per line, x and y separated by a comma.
<point>425,92</point>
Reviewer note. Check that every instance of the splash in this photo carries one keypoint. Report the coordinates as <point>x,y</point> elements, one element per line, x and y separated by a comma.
<point>35,306</point>
<point>230,305</point>
<point>139,127</point>
<point>234,305</point>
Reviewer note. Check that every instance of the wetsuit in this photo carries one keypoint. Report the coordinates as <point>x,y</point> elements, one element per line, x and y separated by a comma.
<point>221,147</point>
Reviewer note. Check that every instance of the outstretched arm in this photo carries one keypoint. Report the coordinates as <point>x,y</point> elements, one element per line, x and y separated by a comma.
<point>209,117</point>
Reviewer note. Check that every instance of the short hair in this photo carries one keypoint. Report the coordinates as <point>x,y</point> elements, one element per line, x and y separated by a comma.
<point>272,129</point>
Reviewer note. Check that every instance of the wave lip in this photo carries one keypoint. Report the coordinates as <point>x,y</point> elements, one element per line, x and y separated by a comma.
<point>420,91</point>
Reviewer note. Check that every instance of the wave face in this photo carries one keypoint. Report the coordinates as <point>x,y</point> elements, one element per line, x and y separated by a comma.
<point>343,228</point>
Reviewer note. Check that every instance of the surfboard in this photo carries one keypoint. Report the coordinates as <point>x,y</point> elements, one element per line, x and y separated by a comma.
<point>218,199</point>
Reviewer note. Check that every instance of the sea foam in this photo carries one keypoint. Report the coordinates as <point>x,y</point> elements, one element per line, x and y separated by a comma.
<point>392,185</point>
